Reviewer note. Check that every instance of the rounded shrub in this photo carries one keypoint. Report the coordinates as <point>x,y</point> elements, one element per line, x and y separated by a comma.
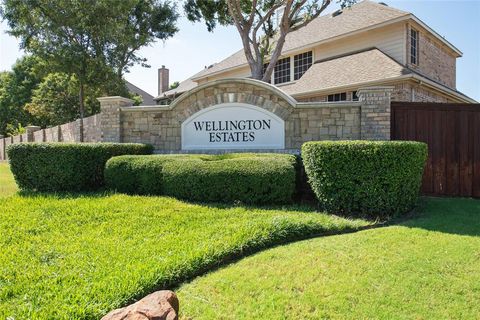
<point>365,178</point>
<point>247,178</point>
<point>65,166</point>
<point>136,174</point>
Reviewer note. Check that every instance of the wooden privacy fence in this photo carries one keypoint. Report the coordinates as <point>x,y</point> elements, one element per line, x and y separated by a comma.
<point>452,132</point>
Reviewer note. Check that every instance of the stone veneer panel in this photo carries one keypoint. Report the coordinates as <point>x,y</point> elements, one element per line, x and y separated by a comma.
<point>375,113</point>
<point>161,125</point>
<point>110,117</point>
<point>39,136</point>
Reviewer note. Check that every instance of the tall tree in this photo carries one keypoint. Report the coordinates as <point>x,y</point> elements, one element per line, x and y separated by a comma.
<point>55,100</point>
<point>16,89</point>
<point>91,39</point>
<point>262,39</point>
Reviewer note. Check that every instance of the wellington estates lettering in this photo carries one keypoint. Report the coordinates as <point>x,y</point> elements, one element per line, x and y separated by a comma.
<point>232,130</point>
<point>233,126</point>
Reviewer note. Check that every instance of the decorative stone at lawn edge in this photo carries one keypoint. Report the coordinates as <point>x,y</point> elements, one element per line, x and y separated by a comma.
<point>160,305</point>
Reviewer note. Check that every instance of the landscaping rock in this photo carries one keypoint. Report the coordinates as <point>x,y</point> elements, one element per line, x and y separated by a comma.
<point>160,305</point>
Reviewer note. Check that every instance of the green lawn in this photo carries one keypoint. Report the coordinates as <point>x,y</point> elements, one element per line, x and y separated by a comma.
<point>78,257</point>
<point>426,268</point>
<point>7,184</point>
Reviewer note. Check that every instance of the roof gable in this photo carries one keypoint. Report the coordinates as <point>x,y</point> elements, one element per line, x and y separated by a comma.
<point>361,15</point>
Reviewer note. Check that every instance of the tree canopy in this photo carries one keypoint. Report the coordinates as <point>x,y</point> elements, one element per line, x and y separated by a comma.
<point>32,94</point>
<point>262,24</point>
<point>16,89</point>
<point>92,39</point>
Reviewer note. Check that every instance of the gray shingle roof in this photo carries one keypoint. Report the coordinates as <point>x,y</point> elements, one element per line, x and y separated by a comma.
<point>147,98</point>
<point>184,86</point>
<point>361,15</point>
<point>347,70</point>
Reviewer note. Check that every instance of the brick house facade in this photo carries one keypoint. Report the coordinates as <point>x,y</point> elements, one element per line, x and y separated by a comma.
<point>369,44</point>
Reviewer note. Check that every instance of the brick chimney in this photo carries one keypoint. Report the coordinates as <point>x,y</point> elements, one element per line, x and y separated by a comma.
<point>163,80</point>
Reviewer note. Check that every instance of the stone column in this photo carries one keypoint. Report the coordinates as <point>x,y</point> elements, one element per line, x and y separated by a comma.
<point>6,142</point>
<point>30,130</point>
<point>2,148</point>
<point>375,112</point>
<point>110,113</point>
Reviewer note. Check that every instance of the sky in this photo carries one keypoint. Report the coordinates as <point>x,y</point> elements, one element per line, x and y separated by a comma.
<point>193,47</point>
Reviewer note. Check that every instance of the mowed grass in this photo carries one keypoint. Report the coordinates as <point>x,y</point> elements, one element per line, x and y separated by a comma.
<point>80,256</point>
<point>425,268</point>
<point>7,184</point>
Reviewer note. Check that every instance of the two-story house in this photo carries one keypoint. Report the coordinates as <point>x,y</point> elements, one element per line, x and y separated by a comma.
<point>368,44</point>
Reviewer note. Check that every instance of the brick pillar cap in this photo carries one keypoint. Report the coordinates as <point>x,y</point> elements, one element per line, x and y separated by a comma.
<point>115,99</point>
<point>33,127</point>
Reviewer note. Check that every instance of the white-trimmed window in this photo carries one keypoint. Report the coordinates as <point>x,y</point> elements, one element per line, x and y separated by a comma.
<point>337,97</point>
<point>290,68</point>
<point>414,46</point>
<point>282,71</point>
<point>302,62</point>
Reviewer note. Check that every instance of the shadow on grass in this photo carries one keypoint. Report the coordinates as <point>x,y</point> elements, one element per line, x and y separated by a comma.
<point>460,216</point>
<point>246,250</point>
<point>308,207</point>
<point>65,195</point>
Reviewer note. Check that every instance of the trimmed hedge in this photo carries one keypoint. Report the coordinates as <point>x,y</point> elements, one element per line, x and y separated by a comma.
<point>65,166</point>
<point>247,178</point>
<point>365,178</point>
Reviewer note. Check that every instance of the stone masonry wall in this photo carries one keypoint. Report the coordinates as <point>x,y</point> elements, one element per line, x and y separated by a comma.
<point>69,132</point>
<point>161,126</point>
<point>375,115</point>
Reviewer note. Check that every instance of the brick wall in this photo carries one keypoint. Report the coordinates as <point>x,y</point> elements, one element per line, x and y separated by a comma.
<point>408,90</point>
<point>69,132</point>
<point>434,59</point>
<point>414,92</point>
<point>375,115</point>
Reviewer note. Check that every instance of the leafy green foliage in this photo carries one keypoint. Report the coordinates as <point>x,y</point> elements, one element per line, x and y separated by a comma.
<point>31,94</point>
<point>425,268</point>
<point>16,89</point>
<point>55,100</point>
<point>174,85</point>
<point>65,166</point>
<point>248,178</point>
<point>94,40</point>
<point>15,131</point>
<point>366,178</point>
<point>79,257</point>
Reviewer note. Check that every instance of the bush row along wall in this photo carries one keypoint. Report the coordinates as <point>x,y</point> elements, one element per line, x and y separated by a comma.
<point>68,132</point>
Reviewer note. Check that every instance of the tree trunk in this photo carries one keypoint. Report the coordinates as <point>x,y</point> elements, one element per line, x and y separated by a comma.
<point>257,70</point>
<point>275,56</point>
<point>82,108</point>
